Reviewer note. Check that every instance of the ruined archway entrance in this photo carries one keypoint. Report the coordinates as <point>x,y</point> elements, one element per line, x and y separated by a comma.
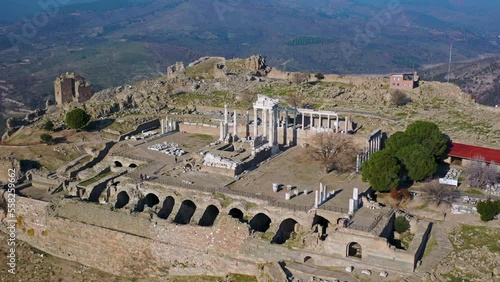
<point>260,222</point>
<point>132,165</point>
<point>150,200</point>
<point>308,260</point>
<point>185,213</point>
<point>287,229</point>
<point>118,164</point>
<point>319,225</point>
<point>236,213</point>
<point>167,208</point>
<point>209,216</point>
<point>354,250</point>
<point>122,199</point>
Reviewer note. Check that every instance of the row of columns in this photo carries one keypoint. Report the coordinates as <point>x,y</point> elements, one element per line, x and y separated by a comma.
<point>336,124</point>
<point>167,125</point>
<point>322,195</point>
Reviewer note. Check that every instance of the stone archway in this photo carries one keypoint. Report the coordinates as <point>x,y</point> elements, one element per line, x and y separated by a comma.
<point>287,228</point>
<point>122,199</point>
<point>132,165</point>
<point>209,216</point>
<point>308,260</point>
<point>167,208</point>
<point>118,164</point>
<point>354,250</point>
<point>260,222</point>
<point>150,200</point>
<point>185,213</point>
<point>236,213</point>
<point>320,225</point>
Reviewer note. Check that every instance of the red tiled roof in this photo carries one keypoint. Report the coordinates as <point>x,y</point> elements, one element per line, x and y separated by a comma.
<point>469,152</point>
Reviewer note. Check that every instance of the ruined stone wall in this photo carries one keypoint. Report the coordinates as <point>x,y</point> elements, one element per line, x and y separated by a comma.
<point>375,250</point>
<point>83,92</point>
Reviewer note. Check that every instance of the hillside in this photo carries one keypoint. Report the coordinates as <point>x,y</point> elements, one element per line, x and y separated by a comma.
<point>117,42</point>
<point>480,78</point>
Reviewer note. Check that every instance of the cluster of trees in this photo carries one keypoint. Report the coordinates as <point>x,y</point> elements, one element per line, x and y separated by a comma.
<point>413,153</point>
<point>488,209</point>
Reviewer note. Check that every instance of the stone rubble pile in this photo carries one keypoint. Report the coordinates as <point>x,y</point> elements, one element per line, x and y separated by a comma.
<point>171,149</point>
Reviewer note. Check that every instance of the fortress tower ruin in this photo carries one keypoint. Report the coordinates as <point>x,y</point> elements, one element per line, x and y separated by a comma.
<point>71,87</point>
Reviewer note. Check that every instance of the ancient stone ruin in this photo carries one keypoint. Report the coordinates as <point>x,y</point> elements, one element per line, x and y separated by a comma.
<point>71,87</point>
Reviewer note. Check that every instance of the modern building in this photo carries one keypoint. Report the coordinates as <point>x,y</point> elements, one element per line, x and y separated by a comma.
<point>404,81</point>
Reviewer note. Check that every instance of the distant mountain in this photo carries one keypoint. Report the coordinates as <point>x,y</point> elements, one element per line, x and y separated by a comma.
<point>480,78</point>
<point>113,42</point>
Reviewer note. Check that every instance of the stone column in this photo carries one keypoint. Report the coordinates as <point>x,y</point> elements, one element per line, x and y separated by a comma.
<point>221,131</point>
<point>264,123</point>
<point>316,199</point>
<point>162,126</point>
<point>294,131</point>
<point>271,127</point>
<point>303,121</point>
<point>351,206</point>
<point>285,130</point>
<point>328,125</point>
<point>235,126</point>
<point>247,126</point>
<point>337,125</point>
<point>355,198</point>
<point>320,124</point>
<point>255,124</point>
<point>346,123</point>
<point>312,122</point>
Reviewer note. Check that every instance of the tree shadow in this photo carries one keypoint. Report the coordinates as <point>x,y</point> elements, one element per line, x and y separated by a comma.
<point>98,125</point>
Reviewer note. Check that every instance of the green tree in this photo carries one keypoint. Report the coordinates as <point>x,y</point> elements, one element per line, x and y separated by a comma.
<point>46,138</point>
<point>48,125</point>
<point>398,141</point>
<point>417,161</point>
<point>401,224</point>
<point>488,209</point>
<point>382,171</point>
<point>77,118</point>
<point>428,135</point>
<point>319,76</point>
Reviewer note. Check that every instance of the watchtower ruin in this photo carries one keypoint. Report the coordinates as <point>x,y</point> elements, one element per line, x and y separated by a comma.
<point>71,87</point>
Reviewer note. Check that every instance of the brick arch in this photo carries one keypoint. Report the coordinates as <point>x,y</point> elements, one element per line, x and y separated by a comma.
<point>209,216</point>
<point>185,212</point>
<point>285,231</point>
<point>167,207</point>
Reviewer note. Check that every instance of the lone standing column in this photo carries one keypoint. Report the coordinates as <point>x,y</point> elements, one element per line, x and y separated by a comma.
<point>247,126</point>
<point>235,125</point>
<point>316,199</point>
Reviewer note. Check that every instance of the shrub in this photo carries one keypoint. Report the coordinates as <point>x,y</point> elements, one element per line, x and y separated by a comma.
<point>399,98</point>
<point>488,209</point>
<point>77,119</point>
<point>319,76</point>
<point>46,138</point>
<point>401,224</point>
<point>48,125</point>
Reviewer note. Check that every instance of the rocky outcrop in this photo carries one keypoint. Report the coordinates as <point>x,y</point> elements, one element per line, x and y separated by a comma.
<point>256,62</point>
<point>175,70</point>
<point>14,124</point>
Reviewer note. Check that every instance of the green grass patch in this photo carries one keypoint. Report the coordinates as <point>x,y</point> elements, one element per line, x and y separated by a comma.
<point>225,201</point>
<point>432,244</point>
<point>473,191</point>
<point>475,237</point>
<point>241,278</point>
<point>406,239</point>
<point>422,206</point>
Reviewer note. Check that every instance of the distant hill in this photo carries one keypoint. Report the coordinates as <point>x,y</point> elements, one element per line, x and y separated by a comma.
<point>478,77</point>
<point>113,42</point>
